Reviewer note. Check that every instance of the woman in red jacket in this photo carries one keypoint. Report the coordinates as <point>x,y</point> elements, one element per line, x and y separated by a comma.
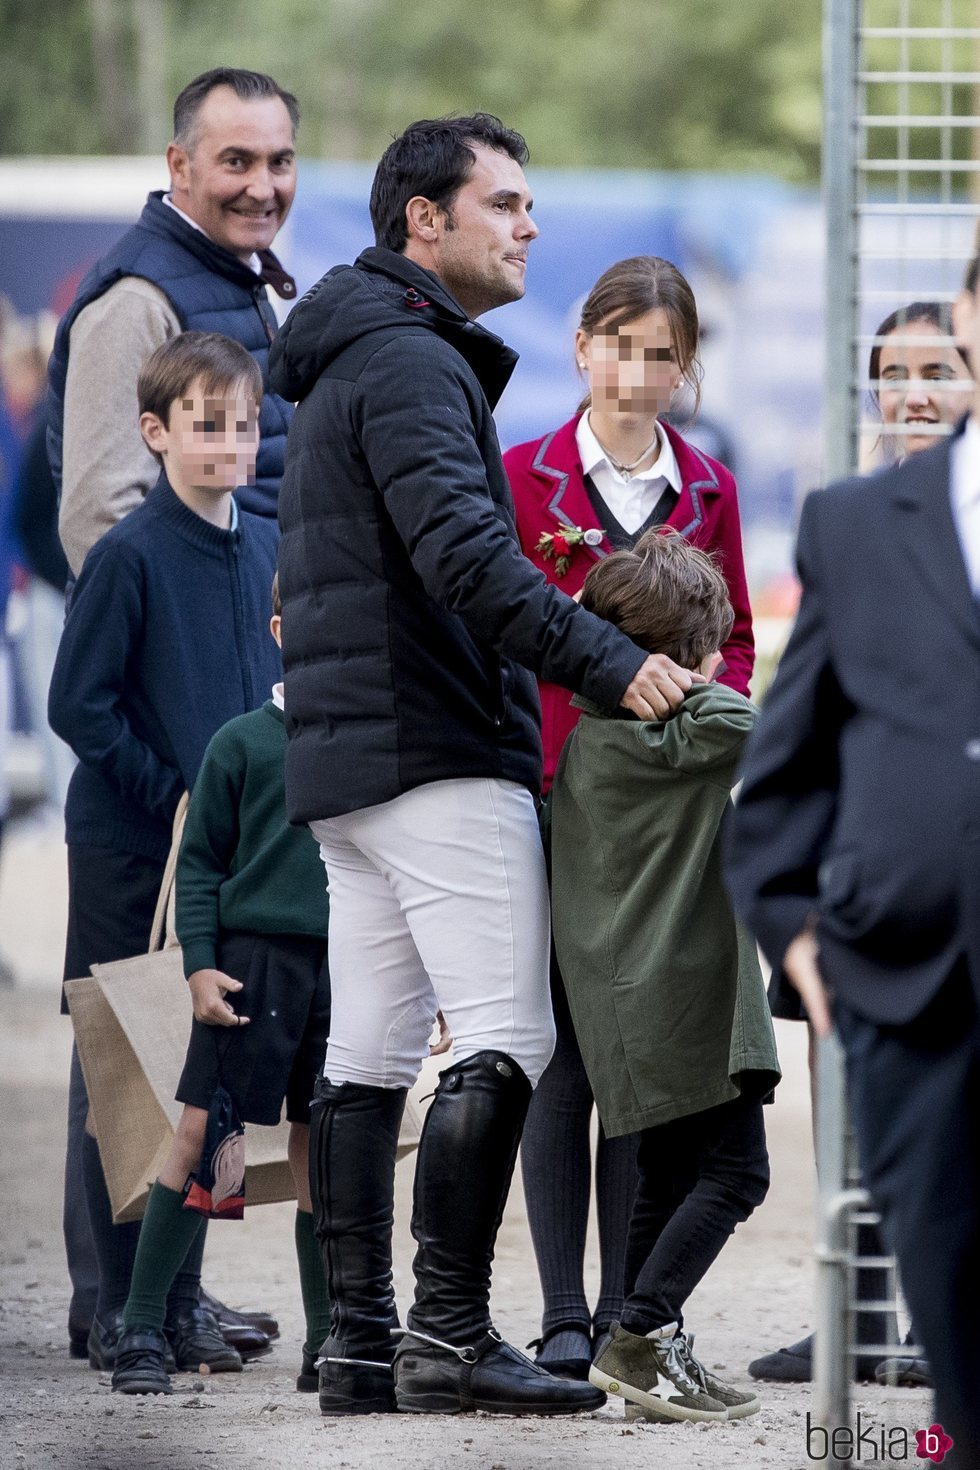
<point>592,487</point>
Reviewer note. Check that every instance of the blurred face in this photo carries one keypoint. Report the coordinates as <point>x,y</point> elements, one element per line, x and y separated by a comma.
<point>211,440</point>
<point>238,177</point>
<point>634,370</point>
<point>478,247</point>
<point>915,390</point>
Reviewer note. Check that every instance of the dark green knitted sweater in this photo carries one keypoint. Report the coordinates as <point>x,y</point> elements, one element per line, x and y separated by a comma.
<point>242,867</point>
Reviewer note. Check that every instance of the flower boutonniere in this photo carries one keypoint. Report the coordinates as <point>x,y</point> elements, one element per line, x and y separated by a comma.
<point>557,546</point>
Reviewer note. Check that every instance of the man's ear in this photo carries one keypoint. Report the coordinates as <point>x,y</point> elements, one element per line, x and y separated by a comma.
<point>178,162</point>
<point>421,218</point>
<point>154,432</point>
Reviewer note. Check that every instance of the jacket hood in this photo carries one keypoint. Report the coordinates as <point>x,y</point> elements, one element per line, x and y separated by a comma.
<point>380,291</point>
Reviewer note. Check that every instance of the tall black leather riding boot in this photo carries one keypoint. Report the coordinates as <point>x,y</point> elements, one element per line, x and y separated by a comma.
<point>353,1138</point>
<point>451,1359</point>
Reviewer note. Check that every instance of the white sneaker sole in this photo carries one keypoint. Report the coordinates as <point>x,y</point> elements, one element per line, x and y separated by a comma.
<point>654,1407</point>
<point>735,1411</point>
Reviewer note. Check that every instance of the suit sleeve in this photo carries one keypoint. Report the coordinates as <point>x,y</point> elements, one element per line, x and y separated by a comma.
<point>101,637</point>
<point>790,776</point>
<point>414,417</point>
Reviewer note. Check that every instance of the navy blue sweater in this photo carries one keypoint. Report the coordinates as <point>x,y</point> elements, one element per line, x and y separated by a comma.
<point>167,638</point>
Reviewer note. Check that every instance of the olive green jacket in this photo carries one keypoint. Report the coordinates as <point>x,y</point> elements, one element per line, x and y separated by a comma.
<point>664,987</point>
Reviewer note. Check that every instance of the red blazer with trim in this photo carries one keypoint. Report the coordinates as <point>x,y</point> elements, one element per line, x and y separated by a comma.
<point>549,491</point>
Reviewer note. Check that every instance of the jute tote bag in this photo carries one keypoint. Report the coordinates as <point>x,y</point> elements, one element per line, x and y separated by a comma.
<point>132,1022</point>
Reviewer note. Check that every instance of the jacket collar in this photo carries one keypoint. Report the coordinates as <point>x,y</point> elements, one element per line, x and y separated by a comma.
<point>558,463</point>
<point>921,491</point>
<point>160,219</point>
<point>431,303</point>
<point>163,503</point>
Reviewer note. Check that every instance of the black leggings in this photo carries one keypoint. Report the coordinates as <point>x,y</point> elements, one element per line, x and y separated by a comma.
<point>556,1165</point>
<point>700,1176</point>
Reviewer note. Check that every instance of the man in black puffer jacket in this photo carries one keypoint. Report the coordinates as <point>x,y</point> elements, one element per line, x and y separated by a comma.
<point>412,632</point>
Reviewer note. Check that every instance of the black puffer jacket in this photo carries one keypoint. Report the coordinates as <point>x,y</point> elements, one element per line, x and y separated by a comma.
<point>412,624</point>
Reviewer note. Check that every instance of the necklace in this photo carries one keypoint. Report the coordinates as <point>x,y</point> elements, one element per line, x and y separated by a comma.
<point>627,470</point>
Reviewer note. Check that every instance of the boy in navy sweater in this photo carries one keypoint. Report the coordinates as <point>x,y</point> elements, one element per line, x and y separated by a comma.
<point>164,642</point>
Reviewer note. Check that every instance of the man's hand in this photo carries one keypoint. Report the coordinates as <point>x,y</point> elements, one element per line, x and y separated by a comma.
<point>658,687</point>
<point>802,969</point>
<point>437,1048</point>
<point>208,989</point>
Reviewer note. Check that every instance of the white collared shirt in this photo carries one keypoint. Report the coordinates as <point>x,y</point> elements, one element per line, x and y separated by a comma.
<point>631,501</point>
<point>965,496</point>
<point>253,262</point>
<point>278,695</point>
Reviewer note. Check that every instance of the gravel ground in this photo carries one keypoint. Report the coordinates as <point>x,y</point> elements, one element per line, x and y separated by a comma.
<point>55,1412</point>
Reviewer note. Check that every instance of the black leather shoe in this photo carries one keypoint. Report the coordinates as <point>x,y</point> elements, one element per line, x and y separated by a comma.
<point>234,1324</point>
<point>139,1362</point>
<point>308,1379</point>
<point>103,1339</point>
<point>490,1377</point>
<point>196,1340</point>
<point>78,1341</point>
<point>576,1366</point>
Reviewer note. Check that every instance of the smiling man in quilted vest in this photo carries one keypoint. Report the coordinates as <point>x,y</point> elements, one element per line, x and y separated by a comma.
<point>197,259</point>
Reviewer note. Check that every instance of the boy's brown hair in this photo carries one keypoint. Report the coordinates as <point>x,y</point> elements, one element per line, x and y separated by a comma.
<point>217,362</point>
<point>664,594</point>
<point>276,599</point>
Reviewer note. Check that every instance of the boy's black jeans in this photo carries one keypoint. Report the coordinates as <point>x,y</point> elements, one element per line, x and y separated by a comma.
<point>699,1176</point>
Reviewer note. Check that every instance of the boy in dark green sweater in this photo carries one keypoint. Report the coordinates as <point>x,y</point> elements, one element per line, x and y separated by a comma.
<point>252,922</point>
<point>665,991</point>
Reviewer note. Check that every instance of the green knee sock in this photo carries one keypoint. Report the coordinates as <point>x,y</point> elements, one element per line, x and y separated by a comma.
<point>167,1232</point>
<point>312,1282</point>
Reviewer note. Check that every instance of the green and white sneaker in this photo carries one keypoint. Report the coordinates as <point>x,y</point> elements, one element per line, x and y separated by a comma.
<point>650,1373</point>
<point>738,1404</point>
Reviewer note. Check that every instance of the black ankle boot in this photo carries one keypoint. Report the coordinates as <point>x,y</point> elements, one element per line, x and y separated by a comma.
<point>353,1138</point>
<point>451,1359</point>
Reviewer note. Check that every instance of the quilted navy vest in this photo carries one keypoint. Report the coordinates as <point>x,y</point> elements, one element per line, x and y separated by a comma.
<point>210,290</point>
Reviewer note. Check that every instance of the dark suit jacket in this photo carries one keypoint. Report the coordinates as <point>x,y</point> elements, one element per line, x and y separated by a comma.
<point>861,795</point>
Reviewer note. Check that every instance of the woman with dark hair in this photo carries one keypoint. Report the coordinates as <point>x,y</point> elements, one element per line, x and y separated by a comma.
<point>591,487</point>
<point>911,377</point>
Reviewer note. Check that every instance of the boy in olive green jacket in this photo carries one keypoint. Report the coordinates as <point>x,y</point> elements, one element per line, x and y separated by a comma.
<point>665,990</point>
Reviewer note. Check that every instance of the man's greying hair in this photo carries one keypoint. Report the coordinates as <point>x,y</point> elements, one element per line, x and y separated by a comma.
<point>250,86</point>
<point>666,595</point>
<point>433,158</point>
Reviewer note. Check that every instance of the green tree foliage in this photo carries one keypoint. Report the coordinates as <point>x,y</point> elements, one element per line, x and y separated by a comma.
<point>675,84</point>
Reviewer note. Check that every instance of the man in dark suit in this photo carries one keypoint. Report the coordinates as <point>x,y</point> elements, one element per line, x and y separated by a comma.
<point>855,856</point>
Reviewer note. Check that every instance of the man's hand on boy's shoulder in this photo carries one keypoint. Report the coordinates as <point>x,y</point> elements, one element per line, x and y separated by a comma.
<point>208,990</point>
<point>658,687</point>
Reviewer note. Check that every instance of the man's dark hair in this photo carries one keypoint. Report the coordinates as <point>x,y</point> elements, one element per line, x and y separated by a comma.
<point>218,363</point>
<point>666,595</point>
<point>433,158</point>
<point>250,86</point>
